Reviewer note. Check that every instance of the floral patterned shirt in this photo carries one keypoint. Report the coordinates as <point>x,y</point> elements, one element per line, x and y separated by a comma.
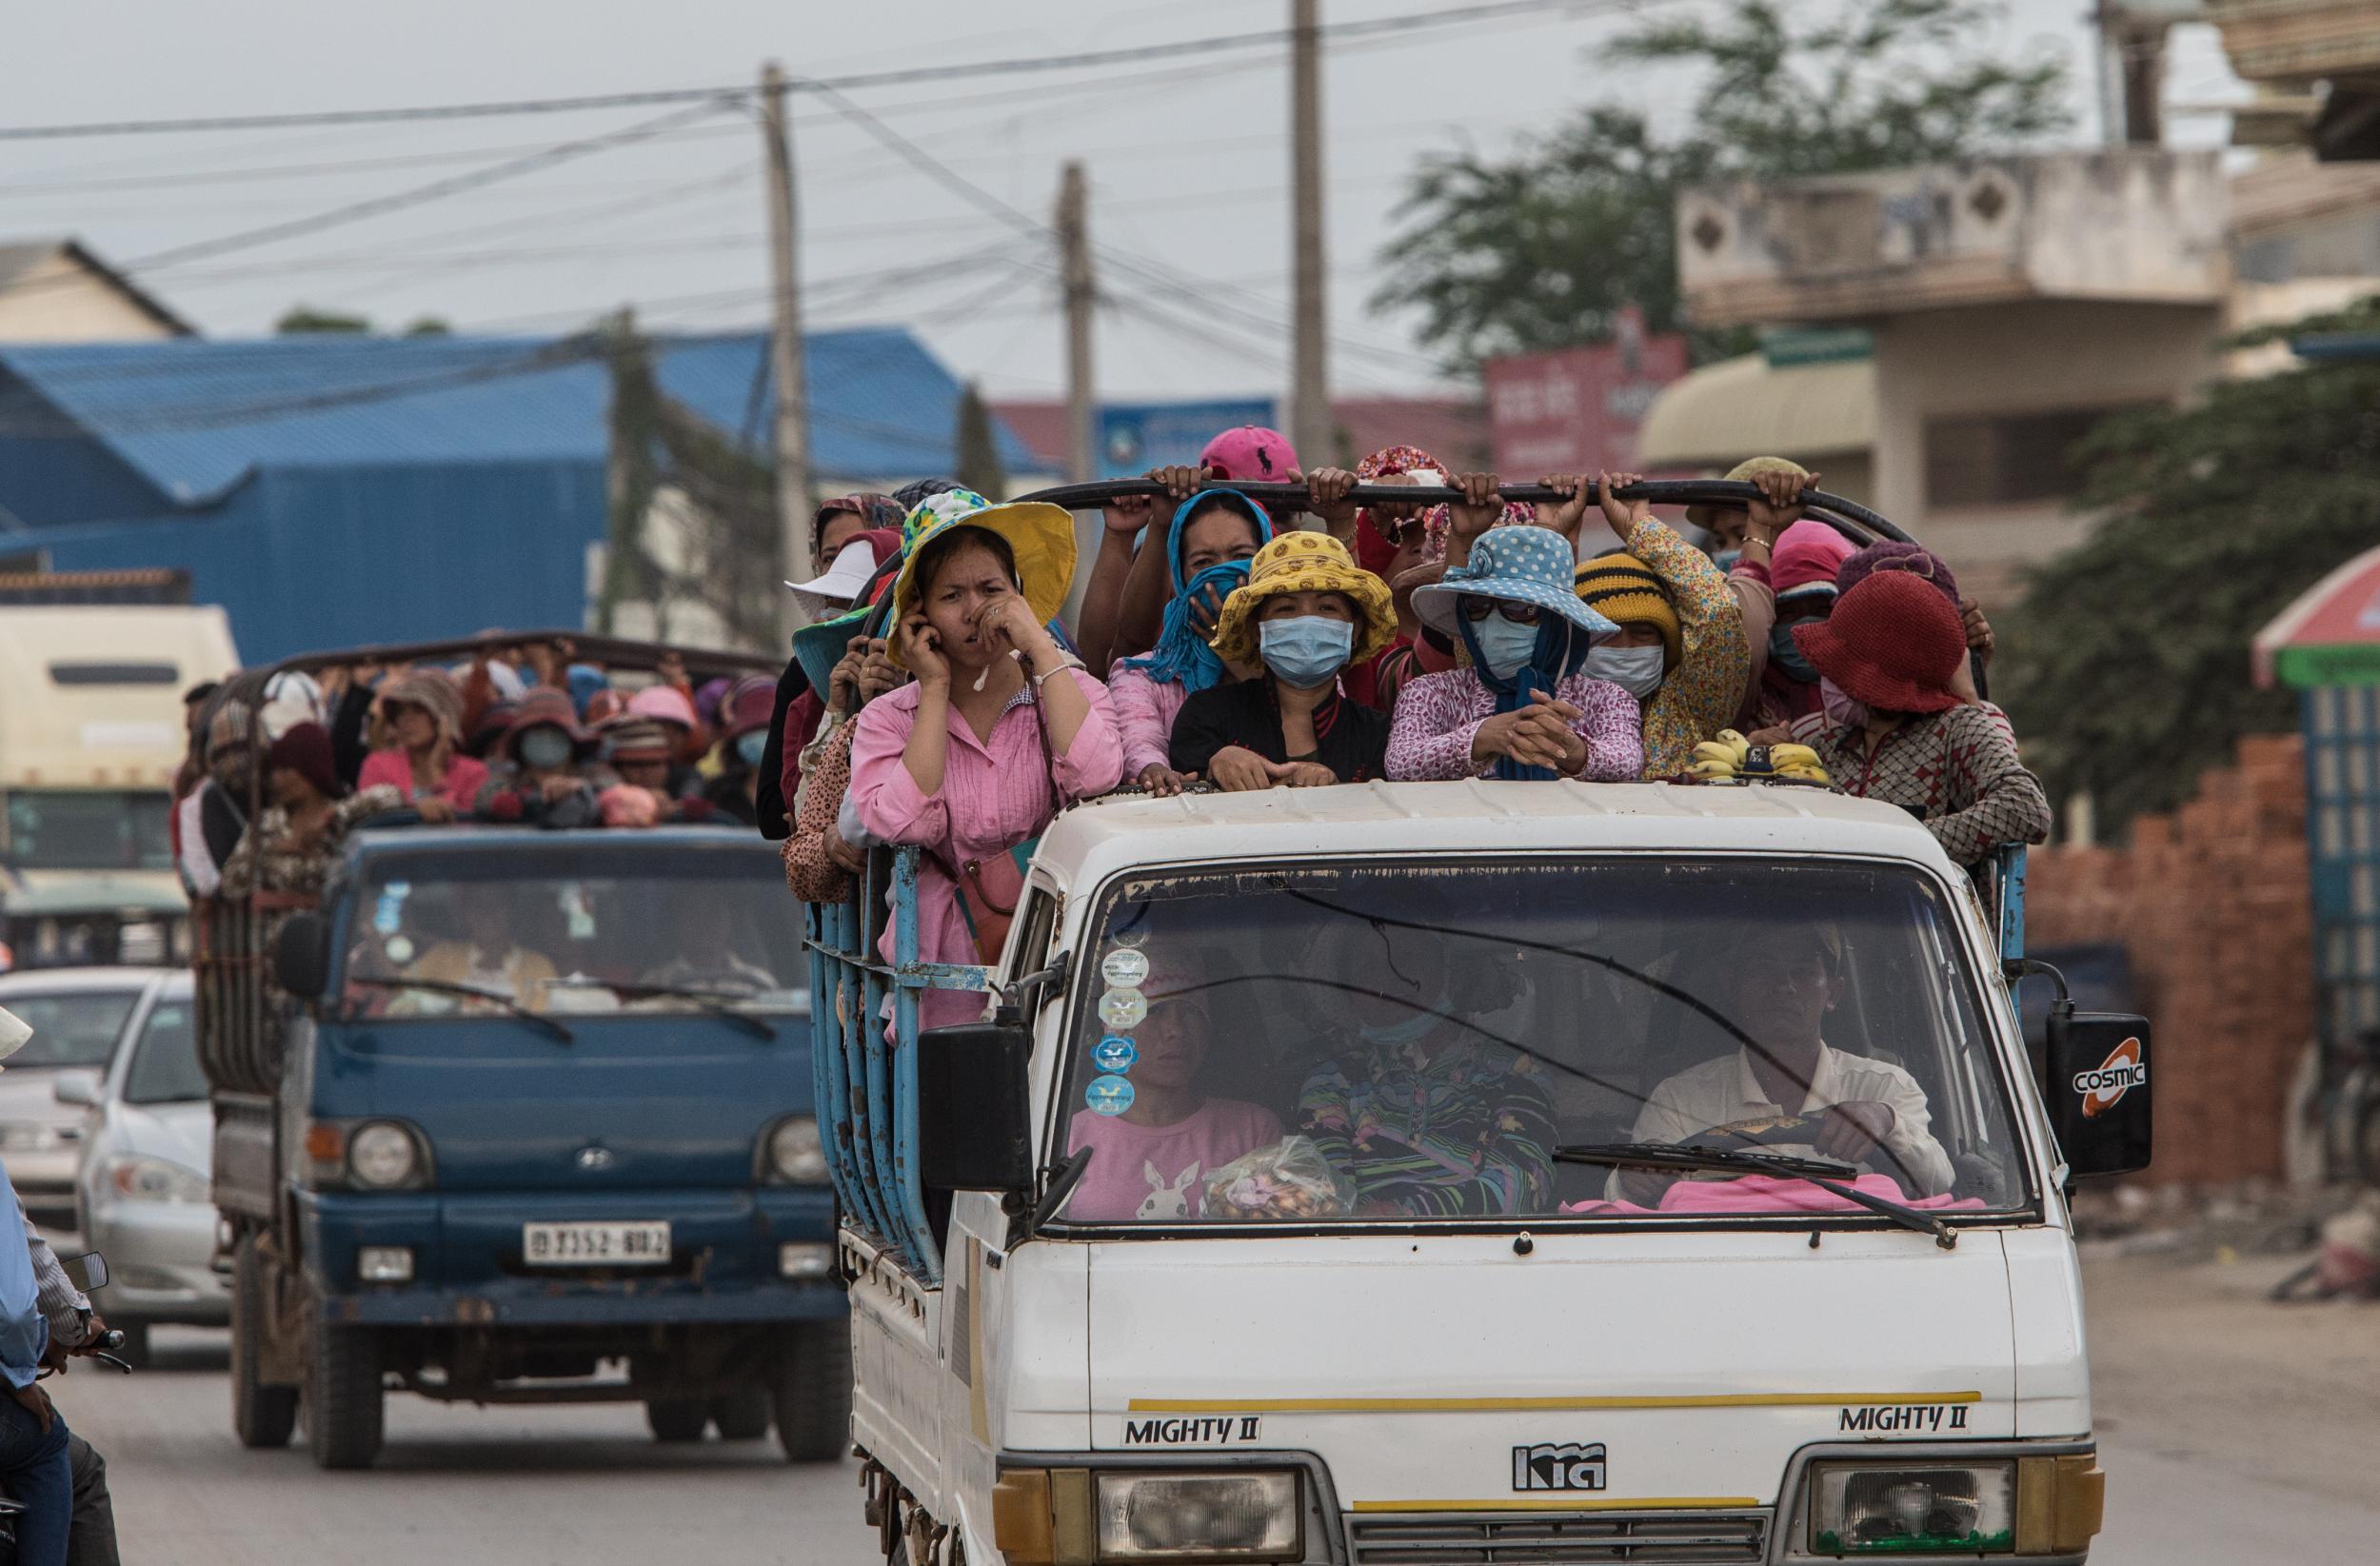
<point>1701,694</point>
<point>1438,714</point>
<point>1466,1129</point>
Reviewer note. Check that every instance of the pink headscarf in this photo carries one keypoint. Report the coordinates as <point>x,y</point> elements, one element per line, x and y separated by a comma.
<point>1374,549</point>
<point>1806,555</point>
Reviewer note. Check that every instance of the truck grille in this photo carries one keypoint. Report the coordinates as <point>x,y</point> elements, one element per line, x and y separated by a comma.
<point>1555,1538</point>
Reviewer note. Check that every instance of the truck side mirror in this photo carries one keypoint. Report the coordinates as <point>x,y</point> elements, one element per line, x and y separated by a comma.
<point>975,1117</point>
<point>301,956</point>
<point>2096,1080</point>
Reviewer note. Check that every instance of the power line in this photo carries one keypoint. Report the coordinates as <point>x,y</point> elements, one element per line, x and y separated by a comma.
<point>1084,59</point>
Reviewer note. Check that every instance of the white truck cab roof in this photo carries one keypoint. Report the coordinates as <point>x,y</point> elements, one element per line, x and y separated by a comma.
<point>1479,817</point>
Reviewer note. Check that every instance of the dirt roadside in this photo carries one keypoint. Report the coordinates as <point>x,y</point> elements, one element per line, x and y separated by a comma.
<point>2189,1359</point>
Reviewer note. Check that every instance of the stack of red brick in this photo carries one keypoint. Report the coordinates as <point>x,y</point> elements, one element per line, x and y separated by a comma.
<point>2212,905</point>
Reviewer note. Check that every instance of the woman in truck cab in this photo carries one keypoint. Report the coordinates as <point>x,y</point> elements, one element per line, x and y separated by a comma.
<point>1152,1152</point>
<point>1524,708</point>
<point>1001,730</point>
<point>487,958</point>
<point>1306,614</point>
<point>1426,1117</point>
<point>421,710</point>
<point>1869,1113</point>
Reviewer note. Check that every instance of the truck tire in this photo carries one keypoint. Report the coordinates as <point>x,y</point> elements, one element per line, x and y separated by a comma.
<point>262,1415</point>
<point>812,1391</point>
<point>742,1415</point>
<point>676,1419</point>
<point>342,1395</point>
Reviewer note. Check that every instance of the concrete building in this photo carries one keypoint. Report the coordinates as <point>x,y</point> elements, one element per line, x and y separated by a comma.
<point>54,290</point>
<point>2316,67</point>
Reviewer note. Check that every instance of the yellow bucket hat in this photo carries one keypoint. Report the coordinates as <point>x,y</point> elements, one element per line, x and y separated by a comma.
<point>1041,536</point>
<point>1304,562</point>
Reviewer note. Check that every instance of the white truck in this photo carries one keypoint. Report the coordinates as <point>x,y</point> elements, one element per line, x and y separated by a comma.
<point>91,735</point>
<point>1463,1216</point>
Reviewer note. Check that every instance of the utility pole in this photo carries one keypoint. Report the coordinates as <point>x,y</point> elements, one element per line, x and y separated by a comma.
<point>1074,245</point>
<point>784,341</point>
<point>1309,390</point>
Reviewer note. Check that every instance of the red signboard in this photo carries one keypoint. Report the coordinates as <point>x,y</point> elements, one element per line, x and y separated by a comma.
<point>1577,410</point>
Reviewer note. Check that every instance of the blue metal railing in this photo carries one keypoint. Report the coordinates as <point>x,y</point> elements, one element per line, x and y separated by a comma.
<point>867,1081</point>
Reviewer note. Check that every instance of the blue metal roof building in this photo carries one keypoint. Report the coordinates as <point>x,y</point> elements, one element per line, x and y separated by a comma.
<point>330,490</point>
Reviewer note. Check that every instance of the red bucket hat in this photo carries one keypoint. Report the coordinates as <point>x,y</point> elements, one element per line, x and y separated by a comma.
<point>1893,643</point>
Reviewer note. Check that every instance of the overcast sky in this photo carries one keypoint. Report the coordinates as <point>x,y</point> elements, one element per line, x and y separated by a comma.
<point>1188,162</point>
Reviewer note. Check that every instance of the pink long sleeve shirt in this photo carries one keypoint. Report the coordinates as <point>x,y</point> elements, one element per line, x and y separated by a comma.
<point>395,768</point>
<point>1439,715</point>
<point>1145,710</point>
<point>993,796</point>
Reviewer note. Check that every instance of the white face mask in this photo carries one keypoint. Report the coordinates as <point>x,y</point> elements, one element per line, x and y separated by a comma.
<point>1637,670</point>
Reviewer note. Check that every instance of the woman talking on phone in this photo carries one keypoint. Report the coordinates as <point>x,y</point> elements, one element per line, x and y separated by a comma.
<point>999,731</point>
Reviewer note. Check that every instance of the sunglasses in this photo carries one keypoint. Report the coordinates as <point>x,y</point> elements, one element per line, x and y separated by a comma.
<point>1475,608</point>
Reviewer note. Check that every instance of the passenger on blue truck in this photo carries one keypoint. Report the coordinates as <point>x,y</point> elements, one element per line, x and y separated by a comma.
<point>1307,614</point>
<point>422,713</point>
<point>1001,730</point>
<point>538,780</point>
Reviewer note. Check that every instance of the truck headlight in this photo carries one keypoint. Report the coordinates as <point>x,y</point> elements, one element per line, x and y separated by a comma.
<point>793,1153</point>
<point>1915,1508</point>
<point>1246,1515</point>
<point>155,1180</point>
<point>381,1156</point>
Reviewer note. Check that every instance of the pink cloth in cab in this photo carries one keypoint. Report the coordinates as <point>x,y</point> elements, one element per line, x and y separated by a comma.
<point>1773,1194</point>
<point>1154,1173</point>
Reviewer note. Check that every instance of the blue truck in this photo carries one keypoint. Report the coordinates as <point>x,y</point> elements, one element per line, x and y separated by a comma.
<point>511,1115</point>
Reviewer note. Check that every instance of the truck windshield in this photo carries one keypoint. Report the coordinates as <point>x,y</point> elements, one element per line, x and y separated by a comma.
<point>1315,1044</point>
<point>88,829</point>
<point>591,928</point>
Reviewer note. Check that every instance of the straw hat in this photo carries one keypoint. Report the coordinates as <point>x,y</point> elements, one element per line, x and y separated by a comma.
<point>1041,536</point>
<point>1744,472</point>
<point>1297,562</point>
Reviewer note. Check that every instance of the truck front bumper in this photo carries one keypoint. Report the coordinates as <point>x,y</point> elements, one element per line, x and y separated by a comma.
<point>468,1267</point>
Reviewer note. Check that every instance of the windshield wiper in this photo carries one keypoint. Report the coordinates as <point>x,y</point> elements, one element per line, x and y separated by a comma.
<point>1818,1172</point>
<point>709,1000</point>
<point>504,1002</point>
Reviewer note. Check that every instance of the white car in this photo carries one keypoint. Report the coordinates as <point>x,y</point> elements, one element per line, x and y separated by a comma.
<point>144,1196</point>
<point>78,1016</point>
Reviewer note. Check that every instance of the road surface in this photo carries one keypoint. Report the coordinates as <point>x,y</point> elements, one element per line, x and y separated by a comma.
<point>2233,1431</point>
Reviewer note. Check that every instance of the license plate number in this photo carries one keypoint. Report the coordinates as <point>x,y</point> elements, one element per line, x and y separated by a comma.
<point>595,1244</point>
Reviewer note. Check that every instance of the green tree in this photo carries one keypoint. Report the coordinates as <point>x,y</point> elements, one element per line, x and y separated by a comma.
<point>304,320</point>
<point>2128,665</point>
<point>1536,248</point>
<point>979,448</point>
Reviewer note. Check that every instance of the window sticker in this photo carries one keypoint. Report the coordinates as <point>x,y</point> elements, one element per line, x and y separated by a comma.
<point>1122,1009</point>
<point>1125,969</point>
<point>1109,1095</point>
<point>1114,1055</point>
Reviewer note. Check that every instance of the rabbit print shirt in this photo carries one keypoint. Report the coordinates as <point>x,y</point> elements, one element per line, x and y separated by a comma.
<point>1155,1174</point>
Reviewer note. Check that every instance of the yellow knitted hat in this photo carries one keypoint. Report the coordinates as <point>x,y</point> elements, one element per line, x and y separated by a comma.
<point>1627,593</point>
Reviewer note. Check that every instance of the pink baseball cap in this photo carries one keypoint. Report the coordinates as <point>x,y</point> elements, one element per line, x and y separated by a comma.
<point>1251,455</point>
<point>664,703</point>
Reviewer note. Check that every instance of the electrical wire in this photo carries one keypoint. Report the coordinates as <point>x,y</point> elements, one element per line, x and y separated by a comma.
<point>1035,64</point>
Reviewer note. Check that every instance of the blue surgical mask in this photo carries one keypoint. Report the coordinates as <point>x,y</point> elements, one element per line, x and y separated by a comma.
<point>1636,670</point>
<point>1505,646</point>
<point>752,747</point>
<point>1305,650</point>
<point>1725,559</point>
<point>1786,654</point>
<point>546,747</point>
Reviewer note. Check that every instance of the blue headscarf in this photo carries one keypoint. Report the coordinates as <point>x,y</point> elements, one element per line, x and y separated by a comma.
<point>1560,652</point>
<point>1181,656</point>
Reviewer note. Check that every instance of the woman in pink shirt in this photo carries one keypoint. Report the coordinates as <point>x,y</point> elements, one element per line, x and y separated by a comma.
<point>1150,1161</point>
<point>1001,729</point>
<point>423,711</point>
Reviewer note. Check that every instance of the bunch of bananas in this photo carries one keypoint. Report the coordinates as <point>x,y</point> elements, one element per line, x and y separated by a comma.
<point>1731,758</point>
